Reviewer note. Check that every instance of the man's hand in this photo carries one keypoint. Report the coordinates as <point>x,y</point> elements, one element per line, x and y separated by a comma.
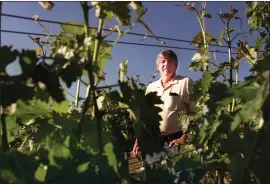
<point>136,148</point>
<point>176,142</point>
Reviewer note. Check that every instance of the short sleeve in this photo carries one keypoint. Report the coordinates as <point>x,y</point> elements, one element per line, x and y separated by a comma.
<point>148,88</point>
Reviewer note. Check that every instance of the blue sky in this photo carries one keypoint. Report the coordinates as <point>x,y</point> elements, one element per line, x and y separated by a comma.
<point>163,18</point>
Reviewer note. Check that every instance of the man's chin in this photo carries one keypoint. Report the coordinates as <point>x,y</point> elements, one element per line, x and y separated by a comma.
<point>167,75</point>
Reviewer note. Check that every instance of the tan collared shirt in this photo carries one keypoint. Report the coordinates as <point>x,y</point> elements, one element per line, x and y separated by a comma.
<point>175,98</point>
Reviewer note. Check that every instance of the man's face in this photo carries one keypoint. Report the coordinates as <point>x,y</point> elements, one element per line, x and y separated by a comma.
<point>166,66</point>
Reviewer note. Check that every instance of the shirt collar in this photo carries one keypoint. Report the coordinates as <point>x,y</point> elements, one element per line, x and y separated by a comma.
<point>172,82</point>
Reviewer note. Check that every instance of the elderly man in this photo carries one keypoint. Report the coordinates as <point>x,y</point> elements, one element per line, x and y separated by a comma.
<point>174,91</point>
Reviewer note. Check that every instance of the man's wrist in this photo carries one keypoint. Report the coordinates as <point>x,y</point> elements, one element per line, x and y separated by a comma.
<point>184,137</point>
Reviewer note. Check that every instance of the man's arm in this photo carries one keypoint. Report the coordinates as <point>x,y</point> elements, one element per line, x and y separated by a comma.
<point>136,148</point>
<point>191,109</point>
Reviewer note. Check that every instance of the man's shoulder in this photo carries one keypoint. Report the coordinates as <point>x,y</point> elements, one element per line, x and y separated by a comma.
<point>153,85</point>
<point>182,78</point>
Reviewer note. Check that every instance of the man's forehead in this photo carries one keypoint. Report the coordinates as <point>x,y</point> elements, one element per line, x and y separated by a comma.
<point>165,56</point>
<point>167,53</point>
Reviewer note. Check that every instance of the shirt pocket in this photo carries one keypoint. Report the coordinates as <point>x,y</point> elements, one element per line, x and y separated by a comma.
<point>172,102</point>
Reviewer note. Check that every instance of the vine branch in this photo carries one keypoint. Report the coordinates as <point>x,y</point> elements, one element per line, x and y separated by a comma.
<point>92,91</point>
<point>4,132</point>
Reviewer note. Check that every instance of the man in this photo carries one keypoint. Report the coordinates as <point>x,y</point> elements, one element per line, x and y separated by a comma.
<point>174,91</point>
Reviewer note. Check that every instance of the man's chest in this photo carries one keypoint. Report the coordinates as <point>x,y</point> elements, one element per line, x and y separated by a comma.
<point>172,97</point>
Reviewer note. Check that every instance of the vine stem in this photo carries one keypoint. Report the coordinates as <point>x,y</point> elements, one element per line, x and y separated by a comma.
<point>0,22</point>
<point>96,112</point>
<point>202,25</point>
<point>92,89</point>
<point>230,61</point>
<point>77,93</point>
<point>87,100</point>
<point>236,82</point>
<point>3,116</point>
<point>229,42</point>
<point>4,132</point>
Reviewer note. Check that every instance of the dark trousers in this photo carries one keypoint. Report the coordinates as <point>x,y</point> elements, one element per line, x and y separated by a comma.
<point>171,137</point>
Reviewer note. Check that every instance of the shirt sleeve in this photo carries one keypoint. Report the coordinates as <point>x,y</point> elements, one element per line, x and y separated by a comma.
<point>148,89</point>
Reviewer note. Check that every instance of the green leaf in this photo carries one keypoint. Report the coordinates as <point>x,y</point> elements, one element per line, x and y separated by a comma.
<point>13,129</point>
<point>234,10</point>
<point>260,165</point>
<point>222,34</point>
<point>236,18</point>
<point>16,167</point>
<point>198,57</point>
<point>44,129</point>
<point>206,81</point>
<point>51,82</point>
<point>262,64</point>
<point>266,109</point>
<point>61,38</point>
<point>146,110</point>
<point>123,68</point>
<point>100,101</point>
<point>67,122</point>
<point>218,91</point>
<point>184,163</point>
<point>199,61</point>
<point>199,38</point>
<point>70,29</point>
<point>245,93</point>
<point>6,171</point>
<point>208,15</point>
<point>73,170</point>
<point>235,143</point>
<point>104,55</point>
<point>41,173</point>
<point>58,147</point>
<point>42,95</point>
<point>226,15</point>
<point>117,9</point>
<point>61,107</point>
<point>236,166</point>
<point>7,57</point>
<point>250,54</point>
<point>58,61</point>
<point>106,170</point>
<point>28,62</point>
<point>25,112</point>
<point>91,135</point>
<point>257,13</point>
<point>13,91</point>
<point>71,72</point>
<point>137,7</point>
<point>251,108</point>
<point>83,167</point>
<point>203,132</point>
<point>230,31</point>
<point>108,152</point>
<point>219,42</point>
<point>38,51</point>
<point>196,66</point>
